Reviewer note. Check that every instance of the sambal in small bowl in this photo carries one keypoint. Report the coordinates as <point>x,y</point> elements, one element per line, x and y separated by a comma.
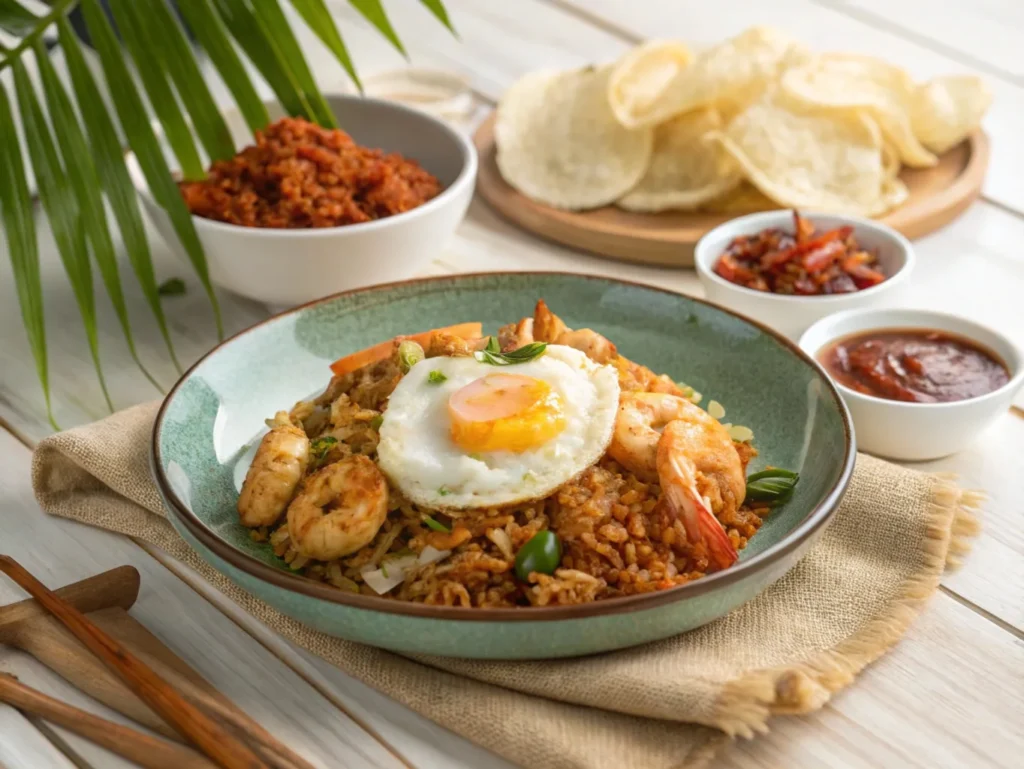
<point>919,384</point>
<point>789,269</point>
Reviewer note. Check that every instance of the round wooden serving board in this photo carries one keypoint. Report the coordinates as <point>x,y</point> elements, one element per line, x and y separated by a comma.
<point>937,196</point>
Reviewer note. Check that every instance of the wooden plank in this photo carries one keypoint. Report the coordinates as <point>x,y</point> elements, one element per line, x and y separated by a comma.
<point>76,394</point>
<point>59,552</point>
<point>23,747</point>
<point>992,576</point>
<point>983,33</point>
<point>823,28</point>
<point>36,675</point>
<point>947,697</point>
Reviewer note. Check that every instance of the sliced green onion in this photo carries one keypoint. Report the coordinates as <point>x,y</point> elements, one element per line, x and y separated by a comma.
<point>377,421</point>
<point>436,377</point>
<point>409,354</point>
<point>319,448</point>
<point>432,524</point>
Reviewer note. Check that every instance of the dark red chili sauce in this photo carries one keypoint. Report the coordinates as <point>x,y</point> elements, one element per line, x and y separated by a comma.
<point>914,364</point>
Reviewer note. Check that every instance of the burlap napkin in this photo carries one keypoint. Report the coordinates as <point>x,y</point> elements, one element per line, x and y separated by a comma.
<point>662,706</point>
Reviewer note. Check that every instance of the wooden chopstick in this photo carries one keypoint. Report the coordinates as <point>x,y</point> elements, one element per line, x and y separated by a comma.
<point>207,734</point>
<point>146,751</point>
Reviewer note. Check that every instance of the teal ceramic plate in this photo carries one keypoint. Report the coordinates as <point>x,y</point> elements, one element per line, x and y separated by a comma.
<point>214,415</point>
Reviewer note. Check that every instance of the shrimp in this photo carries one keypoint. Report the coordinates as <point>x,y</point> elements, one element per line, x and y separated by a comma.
<point>548,327</point>
<point>693,459</point>
<point>275,472</point>
<point>515,335</point>
<point>339,510</point>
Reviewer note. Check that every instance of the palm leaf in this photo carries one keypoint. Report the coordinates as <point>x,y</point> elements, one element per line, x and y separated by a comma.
<point>144,144</point>
<point>213,37</point>
<point>247,31</point>
<point>318,19</point>
<point>79,167</point>
<point>437,8</point>
<point>277,30</point>
<point>164,36</point>
<point>105,150</point>
<point>154,79</point>
<point>61,210</point>
<point>20,231</point>
<point>81,173</point>
<point>15,19</point>
<point>373,12</point>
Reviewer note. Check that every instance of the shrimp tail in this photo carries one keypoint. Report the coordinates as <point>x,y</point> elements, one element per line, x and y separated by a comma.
<point>699,522</point>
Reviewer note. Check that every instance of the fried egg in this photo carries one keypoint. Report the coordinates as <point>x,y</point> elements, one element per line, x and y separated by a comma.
<point>460,433</point>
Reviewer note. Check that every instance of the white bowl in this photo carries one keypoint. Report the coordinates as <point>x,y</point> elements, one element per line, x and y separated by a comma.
<point>286,267</point>
<point>917,431</point>
<point>791,315</point>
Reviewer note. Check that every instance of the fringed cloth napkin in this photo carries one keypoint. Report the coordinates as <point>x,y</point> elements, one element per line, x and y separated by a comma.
<point>666,705</point>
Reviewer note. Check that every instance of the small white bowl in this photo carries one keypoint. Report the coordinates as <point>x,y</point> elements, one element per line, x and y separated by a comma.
<point>791,315</point>
<point>918,431</point>
<point>287,267</point>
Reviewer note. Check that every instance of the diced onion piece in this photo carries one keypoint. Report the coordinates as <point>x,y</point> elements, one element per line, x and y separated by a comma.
<point>398,568</point>
<point>390,575</point>
<point>740,433</point>
<point>503,541</point>
<point>715,410</point>
<point>432,555</point>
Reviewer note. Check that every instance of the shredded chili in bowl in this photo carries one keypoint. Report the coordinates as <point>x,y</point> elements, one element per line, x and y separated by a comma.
<point>804,262</point>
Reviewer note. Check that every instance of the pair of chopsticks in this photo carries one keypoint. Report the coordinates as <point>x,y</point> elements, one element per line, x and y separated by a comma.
<point>215,739</point>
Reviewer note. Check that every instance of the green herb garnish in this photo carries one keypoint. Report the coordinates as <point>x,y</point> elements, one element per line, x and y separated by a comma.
<point>432,524</point>
<point>409,354</point>
<point>443,491</point>
<point>377,421</point>
<point>436,377</point>
<point>493,355</point>
<point>774,485</point>
<point>384,569</point>
<point>171,287</point>
<point>319,448</point>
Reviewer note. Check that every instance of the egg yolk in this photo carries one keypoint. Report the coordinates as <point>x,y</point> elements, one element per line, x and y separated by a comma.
<point>505,412</point>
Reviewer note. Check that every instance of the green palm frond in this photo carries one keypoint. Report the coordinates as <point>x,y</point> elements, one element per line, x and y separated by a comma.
<point>75,141</point>
<point>373,12</point>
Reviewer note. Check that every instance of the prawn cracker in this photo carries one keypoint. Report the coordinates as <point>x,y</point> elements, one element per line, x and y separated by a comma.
<point>560,143</point>
<point>687,169</point>
<point>820,160</point>
<point>640,78</point>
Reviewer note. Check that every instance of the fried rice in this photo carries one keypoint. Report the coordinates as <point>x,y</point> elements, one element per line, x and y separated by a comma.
<point>618,535</point>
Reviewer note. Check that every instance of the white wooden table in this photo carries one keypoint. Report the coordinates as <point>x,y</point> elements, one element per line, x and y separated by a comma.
<point>950,695</point>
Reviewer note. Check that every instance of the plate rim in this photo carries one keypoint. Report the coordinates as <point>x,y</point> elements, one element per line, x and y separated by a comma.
<point>815,519</point>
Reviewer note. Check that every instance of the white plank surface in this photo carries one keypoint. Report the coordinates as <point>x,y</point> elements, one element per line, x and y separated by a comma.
<point>947,697</point>
<point>984,33</point>
<point>22,746</point>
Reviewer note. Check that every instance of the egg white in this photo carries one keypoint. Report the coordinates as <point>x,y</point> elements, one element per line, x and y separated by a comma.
<point>417,453</point>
